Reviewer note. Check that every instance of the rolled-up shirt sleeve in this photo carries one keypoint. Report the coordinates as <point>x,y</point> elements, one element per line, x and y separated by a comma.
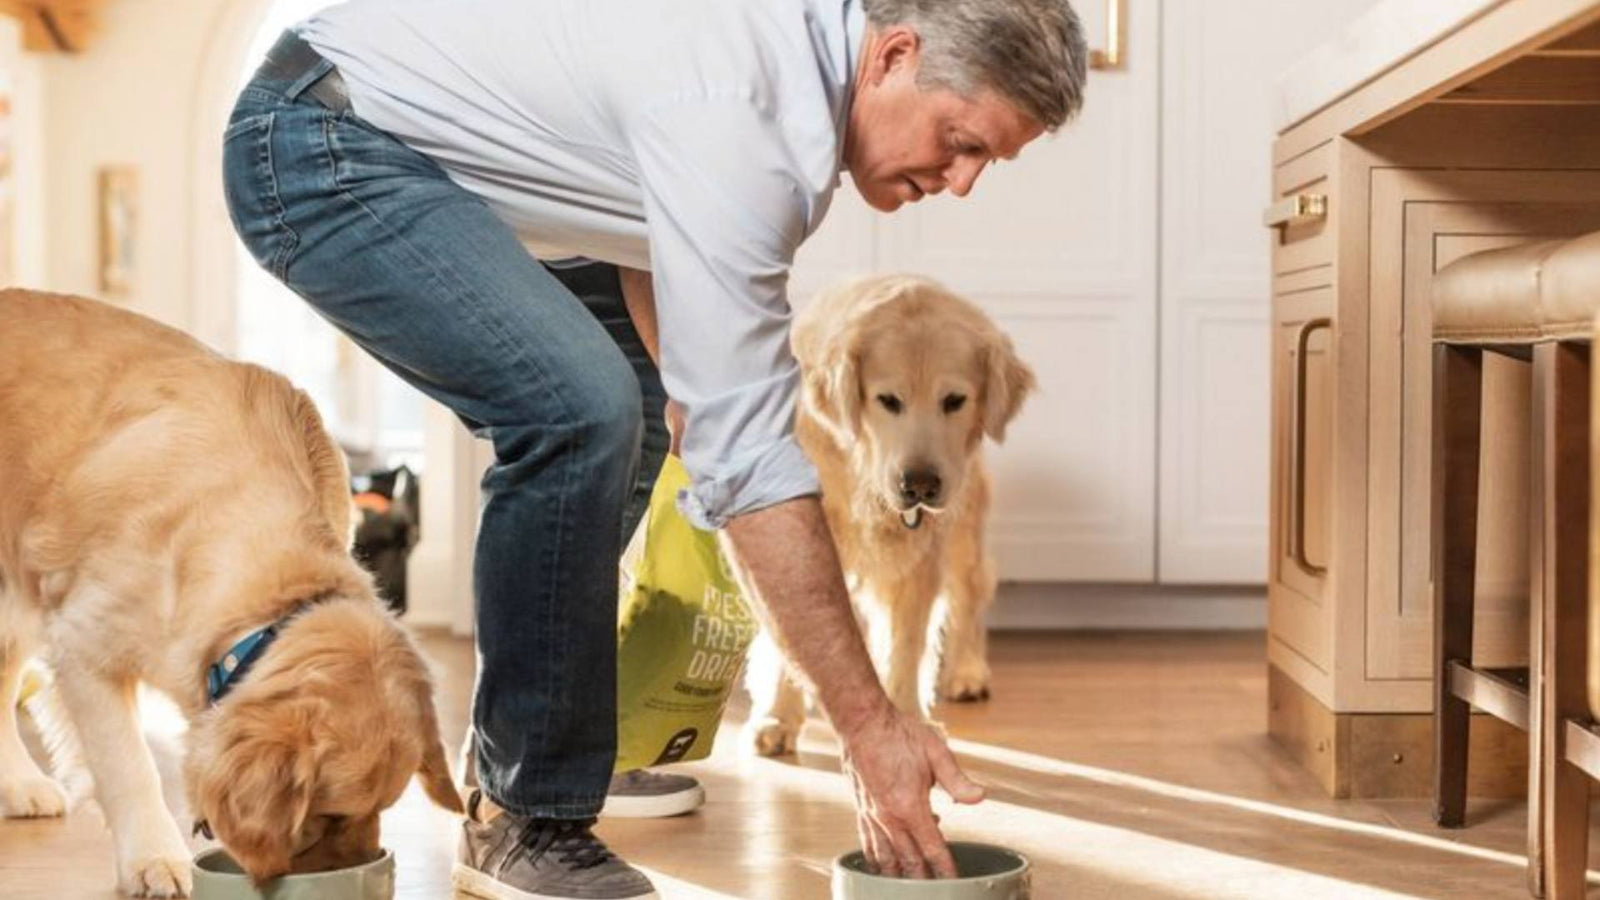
<point>725,212</point>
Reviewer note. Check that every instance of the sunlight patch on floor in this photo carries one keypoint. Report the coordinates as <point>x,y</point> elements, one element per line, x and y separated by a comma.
<point>1044,765</point>
<point>1100,861</point>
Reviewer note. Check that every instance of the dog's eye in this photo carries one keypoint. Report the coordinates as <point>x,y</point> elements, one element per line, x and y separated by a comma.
<point>953,402</point>
<point>890,402</point>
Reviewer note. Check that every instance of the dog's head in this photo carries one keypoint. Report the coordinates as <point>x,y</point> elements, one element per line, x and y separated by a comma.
<point>909,379</point>
<point>293,768</point>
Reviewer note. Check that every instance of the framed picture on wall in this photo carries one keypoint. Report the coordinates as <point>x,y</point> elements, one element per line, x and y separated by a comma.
<point>119,225</point>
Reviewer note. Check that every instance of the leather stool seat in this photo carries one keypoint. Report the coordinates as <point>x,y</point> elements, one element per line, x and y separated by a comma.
<point>1544,291</point>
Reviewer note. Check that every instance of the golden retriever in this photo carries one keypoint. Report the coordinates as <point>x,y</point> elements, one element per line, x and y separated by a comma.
<point>160,503</point>
<point>902,381</point>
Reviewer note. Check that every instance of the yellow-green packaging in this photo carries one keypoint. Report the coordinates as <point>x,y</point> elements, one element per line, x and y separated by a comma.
<point>683,629</point>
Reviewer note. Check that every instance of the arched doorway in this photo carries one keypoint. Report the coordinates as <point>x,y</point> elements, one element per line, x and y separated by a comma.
<point>373,414</point>
<point>242,311</point>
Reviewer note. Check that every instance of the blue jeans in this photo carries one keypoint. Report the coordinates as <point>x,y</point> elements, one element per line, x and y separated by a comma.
<point>544,364</point>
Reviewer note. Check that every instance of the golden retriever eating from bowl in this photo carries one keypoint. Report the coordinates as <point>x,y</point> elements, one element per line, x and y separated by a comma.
<point>902,381</point>
<point>162,508</point>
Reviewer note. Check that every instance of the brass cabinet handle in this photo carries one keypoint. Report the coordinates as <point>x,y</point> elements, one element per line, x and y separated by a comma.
<point>1297,532</point>
<point>1296,210</point>
<point>1114,56</point>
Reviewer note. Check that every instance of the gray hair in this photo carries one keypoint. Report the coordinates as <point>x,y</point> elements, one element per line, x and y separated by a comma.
<point>1031,52</point>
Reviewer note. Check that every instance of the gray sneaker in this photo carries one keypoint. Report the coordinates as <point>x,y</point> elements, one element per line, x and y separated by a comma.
<point>643,794</point>
<point>513,858</point>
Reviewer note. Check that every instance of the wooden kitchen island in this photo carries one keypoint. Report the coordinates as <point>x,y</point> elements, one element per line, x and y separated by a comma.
<point>1428,130</point>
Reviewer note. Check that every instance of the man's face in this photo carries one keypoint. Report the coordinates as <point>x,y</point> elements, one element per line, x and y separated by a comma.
<point>904,142</point>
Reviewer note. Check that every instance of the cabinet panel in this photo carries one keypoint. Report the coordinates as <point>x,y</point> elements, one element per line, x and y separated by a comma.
<point>1302,477</point>
<point>1422,221</point>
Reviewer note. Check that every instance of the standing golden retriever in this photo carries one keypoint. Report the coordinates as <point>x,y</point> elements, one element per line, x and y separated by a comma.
<point>161,503</point>
<point>902,381</point>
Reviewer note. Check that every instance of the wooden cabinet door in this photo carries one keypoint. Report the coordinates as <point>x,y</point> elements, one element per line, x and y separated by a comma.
<point>1300,610</point>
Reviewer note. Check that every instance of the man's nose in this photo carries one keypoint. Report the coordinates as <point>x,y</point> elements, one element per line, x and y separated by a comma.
<point>962,175</point>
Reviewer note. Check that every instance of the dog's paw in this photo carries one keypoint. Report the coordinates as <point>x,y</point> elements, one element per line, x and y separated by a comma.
<point>771,737</point>
<point>158,876</point>
<point>31,797</point>
<point>965,684</point>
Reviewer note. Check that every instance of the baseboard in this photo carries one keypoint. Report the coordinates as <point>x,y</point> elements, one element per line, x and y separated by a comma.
<point>1387,755</point>
<point>1025,606</point>
<point>1107,607</point>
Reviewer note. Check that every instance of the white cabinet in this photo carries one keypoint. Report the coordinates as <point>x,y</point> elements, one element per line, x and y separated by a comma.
<point>1125,256</point>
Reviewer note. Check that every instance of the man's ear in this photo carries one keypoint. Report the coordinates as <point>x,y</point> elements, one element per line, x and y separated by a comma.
<point>1007,382</point>
<point>895,47</point>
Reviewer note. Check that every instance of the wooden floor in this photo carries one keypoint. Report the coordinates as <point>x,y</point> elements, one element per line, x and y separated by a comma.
<point>1124,766</point>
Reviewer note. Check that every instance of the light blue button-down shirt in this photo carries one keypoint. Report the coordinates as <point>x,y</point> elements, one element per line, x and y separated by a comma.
<point>699,139</point>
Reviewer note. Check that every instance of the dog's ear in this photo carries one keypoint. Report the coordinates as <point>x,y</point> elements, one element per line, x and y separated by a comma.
<point>1007,382</point>
<point>253,779</point>
<point>833,388</point>
<point>434,773</point>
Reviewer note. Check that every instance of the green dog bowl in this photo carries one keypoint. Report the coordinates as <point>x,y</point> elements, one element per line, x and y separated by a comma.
<point>218,877</point>
<point>983,872</point>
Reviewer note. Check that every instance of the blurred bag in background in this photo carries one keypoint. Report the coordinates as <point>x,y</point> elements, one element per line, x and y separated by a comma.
<point>390,525</point>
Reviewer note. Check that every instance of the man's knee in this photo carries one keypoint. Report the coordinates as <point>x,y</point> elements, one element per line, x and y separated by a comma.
<point>599,409</point>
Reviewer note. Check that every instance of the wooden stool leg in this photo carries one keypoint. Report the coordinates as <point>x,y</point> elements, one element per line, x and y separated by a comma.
<point>1561,499</point>
<point>1457,402</point>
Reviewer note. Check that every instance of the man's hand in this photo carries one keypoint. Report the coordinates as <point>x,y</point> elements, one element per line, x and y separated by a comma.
<point>893,762</point>
<point>787,557</point>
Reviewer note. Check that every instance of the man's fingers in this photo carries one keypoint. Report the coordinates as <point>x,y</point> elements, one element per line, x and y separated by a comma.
<point>869,845</point>
<point>950,777</point>
<point>931,847</point>
<point>888,863</point>
<point>912,864</point>
<point>864,835</point>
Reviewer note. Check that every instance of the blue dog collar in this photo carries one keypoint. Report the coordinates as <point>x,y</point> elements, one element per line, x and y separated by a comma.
<point>222,674</point>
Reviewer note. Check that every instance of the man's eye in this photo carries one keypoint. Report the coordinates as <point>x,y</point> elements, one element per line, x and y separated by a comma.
<point>890,402</point>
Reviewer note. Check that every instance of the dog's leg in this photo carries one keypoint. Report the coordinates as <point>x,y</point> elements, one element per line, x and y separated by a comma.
<point>777,702</point>
<point>152,858</point>
<point>25,791</point>
<point>969,592</point>
<point>907,605</point>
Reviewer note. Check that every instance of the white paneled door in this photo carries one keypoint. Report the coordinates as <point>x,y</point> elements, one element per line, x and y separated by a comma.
<point>1060,247</point>
<point>1219,64</point>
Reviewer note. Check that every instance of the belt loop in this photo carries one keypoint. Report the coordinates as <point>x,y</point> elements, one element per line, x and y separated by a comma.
<point>312,76</point>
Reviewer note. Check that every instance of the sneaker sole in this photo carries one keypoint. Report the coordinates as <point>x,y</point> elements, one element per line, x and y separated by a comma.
<point>470,881</point>
<point>660,806</point>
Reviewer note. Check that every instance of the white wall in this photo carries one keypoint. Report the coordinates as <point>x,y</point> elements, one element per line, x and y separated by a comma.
<point>130,99</point>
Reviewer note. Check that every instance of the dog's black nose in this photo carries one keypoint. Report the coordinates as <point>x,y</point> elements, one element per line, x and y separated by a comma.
<point>920,486</point>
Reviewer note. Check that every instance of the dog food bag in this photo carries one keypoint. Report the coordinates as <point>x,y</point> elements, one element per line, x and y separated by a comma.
<point>683,630</point>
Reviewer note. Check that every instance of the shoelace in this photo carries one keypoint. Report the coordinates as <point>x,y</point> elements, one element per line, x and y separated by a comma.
<point>571,839</point>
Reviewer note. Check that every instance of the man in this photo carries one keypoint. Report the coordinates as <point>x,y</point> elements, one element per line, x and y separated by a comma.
<point>464,187</point>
